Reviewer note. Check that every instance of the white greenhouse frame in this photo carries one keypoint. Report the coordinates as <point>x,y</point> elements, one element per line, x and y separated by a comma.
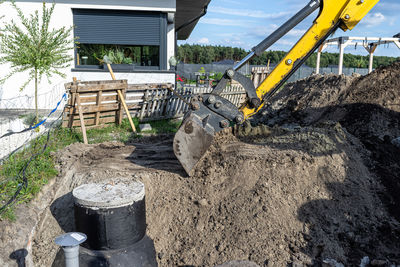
<point>369,43</point>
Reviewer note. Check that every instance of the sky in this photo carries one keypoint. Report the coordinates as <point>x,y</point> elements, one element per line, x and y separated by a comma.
<point>244,24</point>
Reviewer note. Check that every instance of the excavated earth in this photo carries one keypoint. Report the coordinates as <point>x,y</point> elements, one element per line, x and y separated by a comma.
<point>315,183</point>
<point>367,107</point>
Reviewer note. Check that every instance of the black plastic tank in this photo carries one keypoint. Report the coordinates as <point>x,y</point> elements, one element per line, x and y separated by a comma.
<point>113,216</point>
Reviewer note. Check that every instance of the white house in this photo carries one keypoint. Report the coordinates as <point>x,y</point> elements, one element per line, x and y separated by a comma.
<point>144,30</point>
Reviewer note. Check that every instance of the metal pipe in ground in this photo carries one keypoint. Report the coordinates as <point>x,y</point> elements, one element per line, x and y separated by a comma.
<point>70,244</point>
<point>71,256</point>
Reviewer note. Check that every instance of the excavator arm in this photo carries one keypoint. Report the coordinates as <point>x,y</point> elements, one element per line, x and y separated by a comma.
<point>211,113</point>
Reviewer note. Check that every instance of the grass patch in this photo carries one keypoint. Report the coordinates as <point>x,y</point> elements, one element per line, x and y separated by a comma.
<point>164,126</point>
<point>9,214</point>
<point>39,171</point>
<point>42,167</point>
<point>112,132</point>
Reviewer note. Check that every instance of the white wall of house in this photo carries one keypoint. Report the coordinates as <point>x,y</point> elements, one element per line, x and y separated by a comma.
<point>12,97</point>
<point>170,42</point>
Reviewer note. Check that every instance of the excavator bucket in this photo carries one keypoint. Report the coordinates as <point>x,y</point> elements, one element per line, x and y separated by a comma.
<point>191,142</point>
<point>209,115</point>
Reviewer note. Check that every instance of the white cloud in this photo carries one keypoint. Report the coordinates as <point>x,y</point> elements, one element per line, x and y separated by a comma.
<point>203,40</point>
<point>285,42</point>
<point>233,2</point>
<point>395,7</point>
<point>223,22</point>
<point>232,39</point>
<point>249,13</point>
<point>296,33</point>
<point>235,42</point>
<point>373,19</point>
<point>261,32</point>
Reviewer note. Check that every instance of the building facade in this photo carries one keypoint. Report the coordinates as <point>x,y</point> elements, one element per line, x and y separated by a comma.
<point>139,35</point>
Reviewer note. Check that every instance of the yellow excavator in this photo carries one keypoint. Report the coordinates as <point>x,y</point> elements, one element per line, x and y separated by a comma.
<point>211,113</point>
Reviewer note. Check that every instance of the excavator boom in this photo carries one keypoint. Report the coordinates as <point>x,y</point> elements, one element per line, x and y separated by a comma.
<point>211,113</point>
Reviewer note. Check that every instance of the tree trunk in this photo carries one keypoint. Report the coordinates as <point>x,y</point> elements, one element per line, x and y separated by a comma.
<point>36,96</point>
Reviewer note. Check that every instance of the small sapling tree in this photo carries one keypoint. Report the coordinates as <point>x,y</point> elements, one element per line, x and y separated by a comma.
<point>32,46</point>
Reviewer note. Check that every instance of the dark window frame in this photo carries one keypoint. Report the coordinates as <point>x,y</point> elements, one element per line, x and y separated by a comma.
<point>162,38</point>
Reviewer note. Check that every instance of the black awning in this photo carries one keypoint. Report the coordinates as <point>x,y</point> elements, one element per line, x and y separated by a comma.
<point>187,10</point>
<point>119,27</point>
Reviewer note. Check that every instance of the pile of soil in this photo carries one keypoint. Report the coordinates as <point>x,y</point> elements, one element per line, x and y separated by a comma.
<point>368,107</point>
<point>286,198</point>
<point>314,185</point>
<point>351,100</point>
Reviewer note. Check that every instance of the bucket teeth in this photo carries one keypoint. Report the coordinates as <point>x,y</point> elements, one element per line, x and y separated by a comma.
<point>205,120</point>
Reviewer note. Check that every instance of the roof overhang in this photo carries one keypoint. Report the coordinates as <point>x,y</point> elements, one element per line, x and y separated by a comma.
<point>187,10</point>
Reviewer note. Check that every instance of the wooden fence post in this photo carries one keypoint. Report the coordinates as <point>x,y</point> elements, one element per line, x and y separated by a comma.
<point>78,103</point>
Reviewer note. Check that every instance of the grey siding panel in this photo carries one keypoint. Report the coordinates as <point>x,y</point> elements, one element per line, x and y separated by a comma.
<point>163,44</point>
<point>118,27</point>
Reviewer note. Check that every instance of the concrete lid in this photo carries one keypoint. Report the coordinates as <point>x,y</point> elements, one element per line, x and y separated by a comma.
<point>108,195</point>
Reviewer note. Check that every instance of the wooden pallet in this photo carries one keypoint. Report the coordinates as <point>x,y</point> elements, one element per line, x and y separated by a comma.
<point>93,104</point>
<point>148,100</point>
<point>258,75</point>
<point>100,105</point>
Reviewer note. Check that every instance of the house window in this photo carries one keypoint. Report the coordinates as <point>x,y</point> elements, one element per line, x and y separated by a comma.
<point>137,40</point>
<point>139,57</point>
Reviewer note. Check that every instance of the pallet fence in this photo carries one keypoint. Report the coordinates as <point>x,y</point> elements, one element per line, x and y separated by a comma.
<point>258,75</point>
<point>96,103</point>
<point>155,101</point>
<point>100,103</point>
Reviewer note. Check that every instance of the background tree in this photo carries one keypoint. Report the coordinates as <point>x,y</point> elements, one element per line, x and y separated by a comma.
<point>1,1</point>
<point>32,46</point>
<point>198,54</point>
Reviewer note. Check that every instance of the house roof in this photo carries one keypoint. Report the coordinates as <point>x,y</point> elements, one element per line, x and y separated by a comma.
<point>187,10</point>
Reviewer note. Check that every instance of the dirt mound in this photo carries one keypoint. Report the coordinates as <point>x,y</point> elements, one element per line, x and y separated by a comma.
<point>381,87</point>
<point>368,107</point>
<point>311,96</point>
<point>288,198</point>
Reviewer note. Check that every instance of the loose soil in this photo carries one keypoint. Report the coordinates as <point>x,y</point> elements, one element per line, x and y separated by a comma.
<point>317,182</point>
<point>368,107</point>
